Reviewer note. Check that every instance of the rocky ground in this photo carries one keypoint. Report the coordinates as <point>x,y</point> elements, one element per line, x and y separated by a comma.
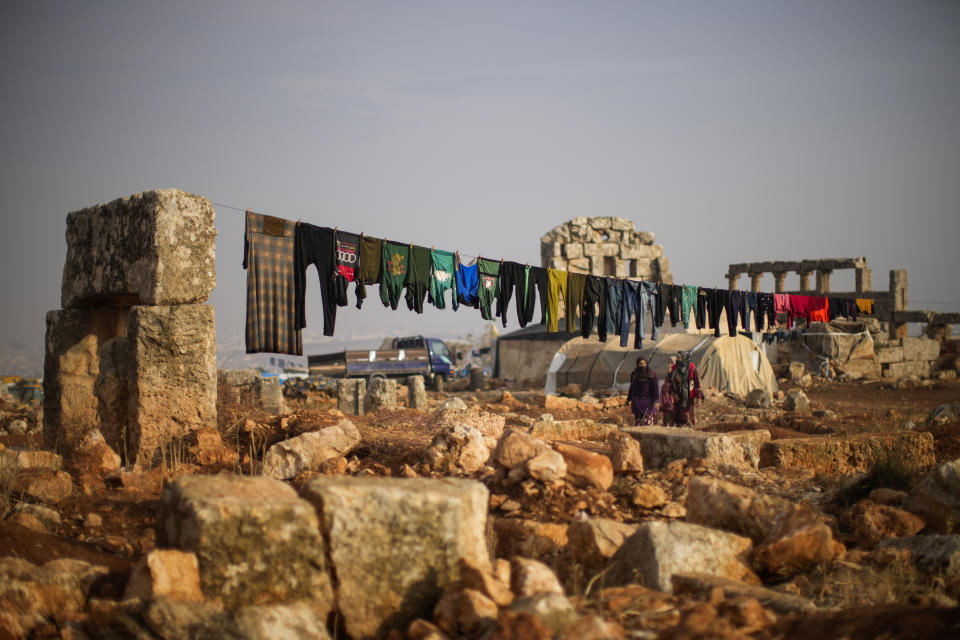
<point>842,522</point>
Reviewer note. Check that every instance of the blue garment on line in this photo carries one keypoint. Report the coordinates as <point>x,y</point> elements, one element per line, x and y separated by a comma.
<point>468,281</point>
<point>638,297</point>
<point>614,300</point>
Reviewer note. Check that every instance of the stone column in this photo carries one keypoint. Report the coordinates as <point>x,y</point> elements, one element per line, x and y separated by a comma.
<point>864,276</point>
<point>350,395</point>
<point>780,279</point>
<point>823,280</point>
<point>416,393</point>
<point>804,281</point>
<point>732,279</point>
<point>755,281</point>
<point>898,289</point>
<point>381,394</point>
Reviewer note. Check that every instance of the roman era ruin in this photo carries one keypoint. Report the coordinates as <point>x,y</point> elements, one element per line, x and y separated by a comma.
<point>133,350</point>
<point>605,246</point>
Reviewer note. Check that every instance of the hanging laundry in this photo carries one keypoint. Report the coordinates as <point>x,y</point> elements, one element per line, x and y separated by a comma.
<point>766,310</point>
<point>865,305</point>
<point>852,309</point>
<point>837,308</point>
<point>556,287</point>
<point>468,281</point>
<point>537,284</point>
<point>702,317</point>
<point>819,309</point>
<point>613,290</point>
<point>594,295</point>
<point>442,279</point>
<point>394,263</point>
<point>736,308</point>
<point>716,305</point>
<point>489,279</point>
<point>688,298</point>
<point>576,282</point>
<point>750,300</point>
<point>315,245</point>
<point>347,254</point>
<point>648,301</point>
<point>512,276</point>
<point>668,301</point>
<point>781,305</point>
<point>418,277</point>
<point>370,257</point>
<point>268,256</point>
<point>638,298</point>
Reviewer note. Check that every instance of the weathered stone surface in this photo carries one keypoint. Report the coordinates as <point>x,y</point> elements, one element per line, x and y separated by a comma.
<point>731,507</point>
<point>573,250</point>
<point>165,573</point>
<point>416,393</point>
<point>516,448</point>
<point>453,403</point>
<point>944,414</point>
<point>236,386</point>
<point>873,522</point>
<point>548,466</point>
<point>702,584</point>
<point>919,368</point>
<point>585,468</point>
<point>299,621</point>
<point>269,395</point>
<point>658,550</point>
<point>475,612</point>
<point>19,459</point>
<point>420,629</point>
<point>662,445</point>
<point>49,487</point>
<point>638,252</point>
<point>94,454</point>
<point>593,541</point>
<point>351,393</point>
<point>593,627</point>
<point>939,555</point>
<point>487,423</point>
<point>381,394</point>
<point>51,594</point>
<point>581,429</point>
<point>625,454</point>
<point>460,446</point>
<point>49,517</point>
<point>527,538</point>
<point>920,349</point>
<point>529,577</point>
<point>255,540</point>
<point>397,543</point>
<point>487,584</point>
<point>27,521</point>
<point>151,248</point>
<point>649,496</point>
<point>797,401</point>
<point>937,497</point>
<point>886,355</point>
<point>796,370</point>
<point>797,541</point>
<point>289,458</point>
<point>758,399</point>
<point>553,610</point>
<point>851,453</point>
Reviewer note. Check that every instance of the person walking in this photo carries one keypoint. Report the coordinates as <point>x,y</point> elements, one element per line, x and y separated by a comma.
<point>684,383</point>
<point>644,393</point>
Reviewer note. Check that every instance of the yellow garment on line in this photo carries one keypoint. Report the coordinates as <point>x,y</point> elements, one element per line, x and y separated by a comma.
<point>556,286</point>
<point>865,305</point>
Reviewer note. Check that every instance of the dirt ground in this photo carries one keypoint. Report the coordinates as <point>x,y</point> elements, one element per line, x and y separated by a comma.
<point>392,443</point>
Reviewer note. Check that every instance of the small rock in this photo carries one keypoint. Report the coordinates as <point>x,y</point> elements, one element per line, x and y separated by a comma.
<point>674,510</point>
<point>475,612</point>
<point>797,401</point>
<point>758,399</point>
<point>795,371</point>
<point>513,625</point>
<point>17,427</point>
<point>553,610</point>
<point>516,448</point>
<point>872,523</point>
<point>289,458</point>
<point>797,541</point>
<point>49,517</point>
<point>486,583</point>
<point>593,627</point>
<point>459,445</point>
<point>453,403</point>
<point>93,521</point>
<point>625,454</point>
<point>649,496</point>
<point>529,577</point>
<point>165,573</point>
<point>27,521</point>
<point>586,468</point>
<point>548,466</point>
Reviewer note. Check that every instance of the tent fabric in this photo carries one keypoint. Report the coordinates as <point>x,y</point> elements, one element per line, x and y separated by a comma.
<point>839,341</point>
<point>736,365</point>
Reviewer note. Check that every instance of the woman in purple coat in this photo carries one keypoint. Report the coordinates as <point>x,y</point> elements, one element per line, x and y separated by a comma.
<point>644,393</point>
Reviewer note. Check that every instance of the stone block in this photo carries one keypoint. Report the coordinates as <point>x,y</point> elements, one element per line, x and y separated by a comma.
<point>350,395</point>
<point>269,395</point>
<point>593,541</point>
<point>645,237</point>
<point>151,248</point>
<point>165,573</point>
<point>381,394</point>
<point>662,445</point>
<point>307,452</point>
<point>659,550</point>
<point>70,369</point>
<point>551,249</point>
<point>555,263</point>
<point>886,355</point>
<point>637,252</point>
<point>579,429</point>
<point>256,542</point>
<point>919,368</point>
<point>924,349</point>
<point>397,544</point>
<point>586,468</point>
<point>573,250</point>
<point>601,222</point>
<point>416,393</point>
<point>731,507</point>
<point>581,264</point>
<point>661,265</point>
<point>621,224</point>
<point>857,453</point>
<point>237,386</point>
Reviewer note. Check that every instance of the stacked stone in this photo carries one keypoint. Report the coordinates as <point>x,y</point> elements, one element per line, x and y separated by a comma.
<point>133,350</point>
<point>908,357</point>
<point>605,246</point>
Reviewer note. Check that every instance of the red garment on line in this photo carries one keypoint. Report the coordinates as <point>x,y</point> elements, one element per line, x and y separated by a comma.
<point>820,309</point>
<point>781,304</point>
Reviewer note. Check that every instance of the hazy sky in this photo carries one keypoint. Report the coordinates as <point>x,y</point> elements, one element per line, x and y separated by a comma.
<point>735,131</point>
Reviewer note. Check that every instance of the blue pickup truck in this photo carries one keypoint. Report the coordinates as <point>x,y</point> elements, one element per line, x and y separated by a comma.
<point>396,357</point>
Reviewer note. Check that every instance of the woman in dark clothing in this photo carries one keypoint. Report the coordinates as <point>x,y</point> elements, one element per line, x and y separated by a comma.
<point>644,393</point>
<point>684,383</point>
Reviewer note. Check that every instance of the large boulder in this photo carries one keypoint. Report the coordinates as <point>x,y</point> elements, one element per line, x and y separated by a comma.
<point>153,248</point>
<point>725,505</point>
<point>516,448</point>
<point>797,401</point>
<point>289,458</point>
<point>256,542</point>
<point>658,550</point>
<point>936,555</point>
<point>872,523</point>
<point>663,445</point>
<point>487,423</point>
<point>799,540</point>
<point>625,453</point>
<point>459,446</point>
<point>593,541</point>
<point>585,468</point>
<point>847,454</point>
<point>397,544</point>
<point>937,497</point>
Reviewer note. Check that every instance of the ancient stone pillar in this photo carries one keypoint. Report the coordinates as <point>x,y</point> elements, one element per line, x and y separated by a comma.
<point>381,394</point>
<point>780,279</point>
<point>350,395</point>
<point>416,393</point>
<point>270,395</point>
<point>898,289</point>
<point>823,280</point>
<point>732,279</point>
<point>864,279</point>
<point>755,281</point>
<point>804,281</point>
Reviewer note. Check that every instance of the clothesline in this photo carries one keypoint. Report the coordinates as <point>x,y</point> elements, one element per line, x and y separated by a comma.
<point>278,253</point>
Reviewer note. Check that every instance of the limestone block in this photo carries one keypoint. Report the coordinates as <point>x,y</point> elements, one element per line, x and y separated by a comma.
<point>307,452</point>
<point>516,448</point>
<point>601,222</point>
<point>236,386</point>
<point>165,573</point>
<point>551,249</point>
<point>621,224</point>
<point>661,445</point>
<point>256,542</point>
<point>661,265</point>
<point>529,577</point>
<point>637,252</point>
<point>528,538</point>
<point>593,541</point>
<point>70,369</point>
<point>581,264</point>
<point>920,349</point>
<point>269,395</point>
<point>658,550</point>
<point>731,507</point>
<point>586,468</point>
<point>397,544</point>
<point>622,268</point>
<point>151,248</point>
<point>625,453</point>
<point>848,454</point>
<point>937,497</point>
<point>578,429</point>
<point>490,425</point>
<point>643,268</point>
<point>350,396</point>
<point>460,446</point>
<point>548,466</point>
<point>573,250</point>
<point>172,382</point>
<point>645,237</point>
<point>381,394</point>
<point>416,393</point>
<point>919,368</point>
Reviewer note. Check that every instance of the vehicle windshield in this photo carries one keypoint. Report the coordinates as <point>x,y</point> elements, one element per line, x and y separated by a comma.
<point>440,349</point>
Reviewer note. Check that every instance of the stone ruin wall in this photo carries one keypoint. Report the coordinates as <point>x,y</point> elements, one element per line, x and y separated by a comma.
<point>132,353</point>
<point>605,246</point>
